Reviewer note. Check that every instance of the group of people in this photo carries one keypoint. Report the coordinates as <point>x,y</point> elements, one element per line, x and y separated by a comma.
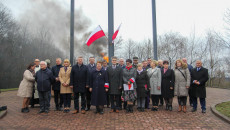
<point>99,84</point>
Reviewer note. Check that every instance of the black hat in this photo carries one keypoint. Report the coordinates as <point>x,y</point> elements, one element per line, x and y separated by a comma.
<point>128,60</point>
<point>136,58</point>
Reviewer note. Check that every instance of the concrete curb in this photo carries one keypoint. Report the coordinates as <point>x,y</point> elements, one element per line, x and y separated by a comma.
<point>218,114</point>
<point>3,113</point>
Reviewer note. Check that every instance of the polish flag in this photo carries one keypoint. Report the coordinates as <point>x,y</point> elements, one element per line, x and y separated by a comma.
<point>96,34</point>
<point>115,34</point>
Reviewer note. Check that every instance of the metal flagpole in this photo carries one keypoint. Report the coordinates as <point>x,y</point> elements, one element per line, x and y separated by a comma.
<point>72,33</point>
<point>154,29</point>
<point>110,30</point>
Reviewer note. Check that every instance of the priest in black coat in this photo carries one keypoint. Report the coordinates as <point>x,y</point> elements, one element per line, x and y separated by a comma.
<point>199,76</point>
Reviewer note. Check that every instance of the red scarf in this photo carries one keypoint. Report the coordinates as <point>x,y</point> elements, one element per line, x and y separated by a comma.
<point>128,68</point>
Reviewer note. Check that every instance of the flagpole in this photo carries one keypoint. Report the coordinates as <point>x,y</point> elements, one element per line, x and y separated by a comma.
<point>110,30</point>
<point>72,33</point>
<point>154,29</point>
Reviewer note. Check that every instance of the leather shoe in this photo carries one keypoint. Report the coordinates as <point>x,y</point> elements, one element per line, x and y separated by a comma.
<point>101,112</point>
<point>203,111</point>
<point>193,110</point>
<point>41,111</point>
<point>170,108</point>
<point>75,112</point>
<point>87,109</point>
<point>82,111</point>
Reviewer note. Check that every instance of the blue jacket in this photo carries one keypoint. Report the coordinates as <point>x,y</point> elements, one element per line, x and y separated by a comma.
<point>55,70</point>
<point>90,70</point>
<point>190,68</point>
<point>79,78</point>
<point>44,79</point>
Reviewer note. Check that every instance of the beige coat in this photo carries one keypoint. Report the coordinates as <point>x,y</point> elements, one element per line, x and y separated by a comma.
<point>181,82</point>
<point>26,85</point>
<point>64,77</point>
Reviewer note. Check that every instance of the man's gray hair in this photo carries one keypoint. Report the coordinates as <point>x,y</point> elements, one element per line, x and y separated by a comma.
<point>122,59</point>
<point>58,59</point>
<point>43,62</point>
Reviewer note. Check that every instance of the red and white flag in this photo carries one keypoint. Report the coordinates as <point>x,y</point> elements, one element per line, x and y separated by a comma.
<point>96,34</point>
<point>115,34</point>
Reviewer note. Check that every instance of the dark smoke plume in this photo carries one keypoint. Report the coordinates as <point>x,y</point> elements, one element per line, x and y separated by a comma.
<point>55,18</point>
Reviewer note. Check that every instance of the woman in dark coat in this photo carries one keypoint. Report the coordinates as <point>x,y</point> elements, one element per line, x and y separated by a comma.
<point>99,86</point>
<point>142,81</point>
<point>167,85</point>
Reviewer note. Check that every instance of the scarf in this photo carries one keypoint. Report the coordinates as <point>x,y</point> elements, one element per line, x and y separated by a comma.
<point>139,71</point>
<point>128,68</point>
<point>65,68</point>
<point>165,70</point>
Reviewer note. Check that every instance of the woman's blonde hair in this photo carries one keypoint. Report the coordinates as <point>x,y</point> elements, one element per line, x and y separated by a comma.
<point>183,65</point>
<point>154,62</point>
<point>139,65</point>
<point>67,60</point>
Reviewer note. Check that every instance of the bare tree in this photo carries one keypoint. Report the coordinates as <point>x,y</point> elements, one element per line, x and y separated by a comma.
<point>172,46</point>
<point>214,51</point>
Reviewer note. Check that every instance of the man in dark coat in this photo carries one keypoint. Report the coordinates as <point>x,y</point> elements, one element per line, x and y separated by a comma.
<point>115,83</point>
<point>99,86</point>
<point>79,82</point>
<point>56,85</point>
<point>44,79</point>
<point>189,91</point>
<point>91,67</point>
<point>199,76</point>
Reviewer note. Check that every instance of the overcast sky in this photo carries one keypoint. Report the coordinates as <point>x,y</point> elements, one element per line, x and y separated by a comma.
<point>136,16</point>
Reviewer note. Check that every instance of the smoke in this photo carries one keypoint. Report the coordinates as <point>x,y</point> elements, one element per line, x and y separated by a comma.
<point>54,17</point>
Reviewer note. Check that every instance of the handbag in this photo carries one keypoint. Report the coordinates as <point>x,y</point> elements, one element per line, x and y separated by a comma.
<point>152,73</point>
<point>183,75</point>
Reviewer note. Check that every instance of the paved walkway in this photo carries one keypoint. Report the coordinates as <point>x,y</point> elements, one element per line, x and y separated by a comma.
<point>137,120</point>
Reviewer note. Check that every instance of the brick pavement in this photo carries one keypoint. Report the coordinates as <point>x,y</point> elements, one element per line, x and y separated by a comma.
<point>137,120</point>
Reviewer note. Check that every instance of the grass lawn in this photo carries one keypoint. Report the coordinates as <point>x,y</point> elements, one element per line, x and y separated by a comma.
<point>224,108</point>
<point>8,89</point>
